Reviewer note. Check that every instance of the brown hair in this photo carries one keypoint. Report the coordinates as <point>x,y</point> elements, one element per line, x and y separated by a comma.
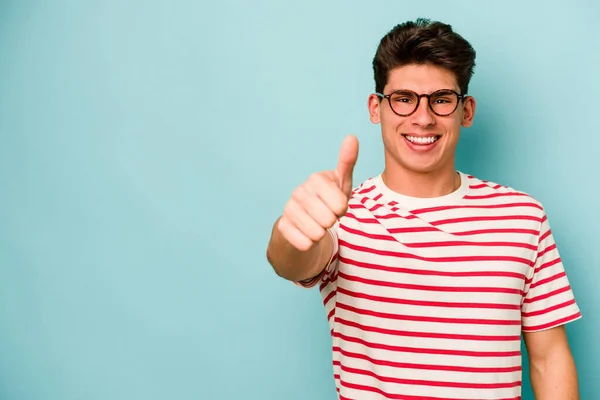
<point>424,42</point>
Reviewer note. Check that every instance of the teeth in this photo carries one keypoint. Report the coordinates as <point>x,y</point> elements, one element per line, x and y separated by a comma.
<point>422,140</point>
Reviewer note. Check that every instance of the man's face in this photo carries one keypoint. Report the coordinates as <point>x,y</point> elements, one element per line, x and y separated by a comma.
<point>423,141</point>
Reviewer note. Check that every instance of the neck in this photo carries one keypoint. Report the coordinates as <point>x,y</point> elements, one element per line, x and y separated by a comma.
<point>421,184</point>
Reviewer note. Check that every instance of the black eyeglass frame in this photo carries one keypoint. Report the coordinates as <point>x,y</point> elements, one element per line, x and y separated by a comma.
<point>459,97</point>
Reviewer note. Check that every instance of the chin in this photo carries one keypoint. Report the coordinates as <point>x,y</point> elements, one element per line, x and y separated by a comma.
<point>425,165</point>
<point>422,169</point>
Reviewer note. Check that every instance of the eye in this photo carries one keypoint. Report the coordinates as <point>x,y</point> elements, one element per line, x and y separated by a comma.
<point>443,97</point>
<point>403,97</point>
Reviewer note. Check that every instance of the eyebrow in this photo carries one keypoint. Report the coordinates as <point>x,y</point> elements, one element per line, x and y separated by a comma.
<point>410,90</point>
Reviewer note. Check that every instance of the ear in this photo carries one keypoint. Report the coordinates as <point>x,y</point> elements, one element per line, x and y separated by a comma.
<point>468,111</point>
<point>374,108</point>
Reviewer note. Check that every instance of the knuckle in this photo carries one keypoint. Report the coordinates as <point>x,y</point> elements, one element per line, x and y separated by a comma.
<point>312,177</point>
<point>288,212</point>
<point>317,234</point>
<point>286,234</point>
<point>298,193</point>
<point>316,176</point>
<point>326,218</point>
<point>331,219</point>
<point>303,245</point>
<point>340,207</point>
<point>316,180</point>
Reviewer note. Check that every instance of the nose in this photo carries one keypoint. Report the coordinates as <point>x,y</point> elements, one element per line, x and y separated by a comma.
<point>423,116</point>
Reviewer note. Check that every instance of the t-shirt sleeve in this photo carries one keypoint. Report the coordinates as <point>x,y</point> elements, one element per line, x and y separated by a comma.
<point>329,269</point>
<point>549,300</point>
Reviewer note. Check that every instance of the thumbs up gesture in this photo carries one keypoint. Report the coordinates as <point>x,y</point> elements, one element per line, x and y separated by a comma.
<point>317,203</point>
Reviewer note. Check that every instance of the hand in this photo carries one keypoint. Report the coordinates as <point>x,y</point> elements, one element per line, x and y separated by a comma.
<point>316,205</point>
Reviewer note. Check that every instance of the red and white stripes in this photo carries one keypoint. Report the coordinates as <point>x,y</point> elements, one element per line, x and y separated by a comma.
<point>427,298</point>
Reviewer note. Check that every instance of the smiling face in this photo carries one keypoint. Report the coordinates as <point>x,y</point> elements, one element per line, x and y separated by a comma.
<point>422,142</point>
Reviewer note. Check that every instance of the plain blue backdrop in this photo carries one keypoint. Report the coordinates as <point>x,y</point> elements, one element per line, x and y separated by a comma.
<point>147,147</point>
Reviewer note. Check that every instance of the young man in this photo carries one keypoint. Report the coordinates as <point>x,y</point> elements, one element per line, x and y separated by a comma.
<point>429,276</point>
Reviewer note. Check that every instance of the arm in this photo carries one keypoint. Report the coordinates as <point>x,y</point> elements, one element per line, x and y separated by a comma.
<point>548,305</point>
<point>300,247</point>
<point>552,368</point>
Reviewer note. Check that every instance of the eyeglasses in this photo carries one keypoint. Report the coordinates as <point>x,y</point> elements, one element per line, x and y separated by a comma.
<point>442,102</point>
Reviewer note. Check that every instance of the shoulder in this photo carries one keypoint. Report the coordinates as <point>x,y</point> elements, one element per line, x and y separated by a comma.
<point>497,192</point>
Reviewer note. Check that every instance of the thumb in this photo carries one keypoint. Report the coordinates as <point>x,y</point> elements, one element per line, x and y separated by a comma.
<point>346,162</point>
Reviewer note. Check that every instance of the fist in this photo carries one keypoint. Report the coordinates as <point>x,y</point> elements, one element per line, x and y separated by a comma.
<point>320,201</point>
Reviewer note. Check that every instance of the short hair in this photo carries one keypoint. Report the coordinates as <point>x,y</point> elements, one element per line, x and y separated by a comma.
<point>424,42</point>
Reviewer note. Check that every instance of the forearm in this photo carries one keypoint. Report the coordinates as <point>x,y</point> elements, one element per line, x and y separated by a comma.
<point>293,264</point>
<point>554,377</point>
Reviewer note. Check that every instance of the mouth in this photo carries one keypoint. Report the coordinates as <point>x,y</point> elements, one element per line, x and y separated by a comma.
<point>421,140</point>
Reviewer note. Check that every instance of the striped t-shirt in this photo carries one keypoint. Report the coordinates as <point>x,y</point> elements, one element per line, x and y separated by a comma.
<point>427,298</point>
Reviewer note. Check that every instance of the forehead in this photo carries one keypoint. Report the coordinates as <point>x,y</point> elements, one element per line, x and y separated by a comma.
<point>420,78</point>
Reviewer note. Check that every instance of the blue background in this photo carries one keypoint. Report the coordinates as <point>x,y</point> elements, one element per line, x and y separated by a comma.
<point>147,147</point>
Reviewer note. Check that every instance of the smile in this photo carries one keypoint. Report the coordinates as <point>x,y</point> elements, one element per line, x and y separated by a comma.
<point>422,140</point>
